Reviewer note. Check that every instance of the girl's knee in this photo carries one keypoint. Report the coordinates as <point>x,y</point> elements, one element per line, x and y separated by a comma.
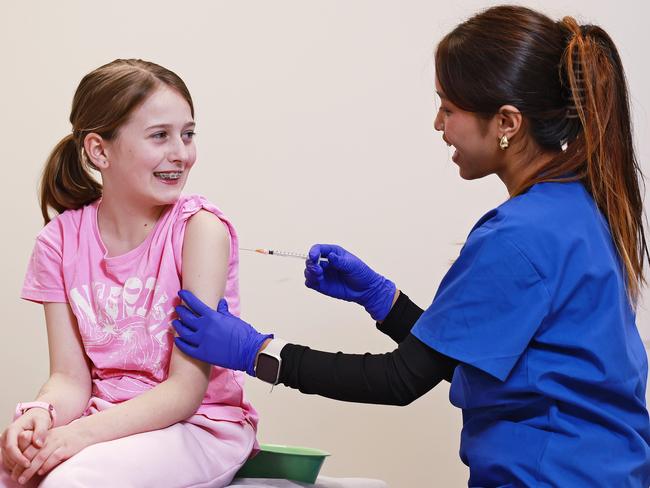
<point>64,475</point>
<point>91,467</point>
<point>76,472</point>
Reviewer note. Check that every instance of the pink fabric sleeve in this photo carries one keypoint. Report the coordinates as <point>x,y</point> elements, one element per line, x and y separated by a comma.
<point>44,277</point>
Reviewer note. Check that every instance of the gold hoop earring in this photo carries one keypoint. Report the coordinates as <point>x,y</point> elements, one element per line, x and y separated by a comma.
<point>503,143</point>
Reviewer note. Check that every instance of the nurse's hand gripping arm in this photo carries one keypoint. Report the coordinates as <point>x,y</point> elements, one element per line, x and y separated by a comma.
<point>346,277</point>
<point>217,336</point>
<point>206,250</point>
<point>395,378</point>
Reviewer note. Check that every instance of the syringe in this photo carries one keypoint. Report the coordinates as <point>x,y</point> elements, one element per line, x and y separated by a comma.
<point>286,254</point>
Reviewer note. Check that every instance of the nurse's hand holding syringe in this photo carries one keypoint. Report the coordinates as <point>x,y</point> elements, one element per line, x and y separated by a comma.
<point>335,272</point>
<point>346,277</point>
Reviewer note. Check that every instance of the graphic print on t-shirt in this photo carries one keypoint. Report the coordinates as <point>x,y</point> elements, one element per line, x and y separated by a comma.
<point>134,319</point>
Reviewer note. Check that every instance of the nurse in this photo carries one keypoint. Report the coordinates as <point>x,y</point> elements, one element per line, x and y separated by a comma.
<point>534,324</point>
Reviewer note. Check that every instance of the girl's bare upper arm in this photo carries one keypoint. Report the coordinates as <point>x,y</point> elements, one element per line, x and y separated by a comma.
<point>206,251</point>
<point>67,354</point>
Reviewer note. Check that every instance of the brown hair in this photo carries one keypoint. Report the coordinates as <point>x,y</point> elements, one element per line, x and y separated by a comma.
<point>103,102</point>
<point>568,82</point>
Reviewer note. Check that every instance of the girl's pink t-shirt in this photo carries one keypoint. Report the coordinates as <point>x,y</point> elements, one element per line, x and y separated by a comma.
<point>124,304</point>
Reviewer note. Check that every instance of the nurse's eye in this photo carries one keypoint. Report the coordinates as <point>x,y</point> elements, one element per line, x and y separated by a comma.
<point>159,135</point>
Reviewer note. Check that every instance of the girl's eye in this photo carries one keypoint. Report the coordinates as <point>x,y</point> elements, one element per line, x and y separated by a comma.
<point>189,135</point>
<point>159,135</point>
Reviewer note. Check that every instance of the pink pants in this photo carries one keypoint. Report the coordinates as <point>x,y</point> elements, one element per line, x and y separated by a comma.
<point>198,453</point>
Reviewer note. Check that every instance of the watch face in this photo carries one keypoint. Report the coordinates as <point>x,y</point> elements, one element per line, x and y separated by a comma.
<point>268,368</point>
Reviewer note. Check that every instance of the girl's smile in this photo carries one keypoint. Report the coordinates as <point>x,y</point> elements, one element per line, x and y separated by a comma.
<point>168,177</point>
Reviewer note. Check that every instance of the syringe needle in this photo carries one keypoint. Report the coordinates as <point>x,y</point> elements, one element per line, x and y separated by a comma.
<point>286,254</point>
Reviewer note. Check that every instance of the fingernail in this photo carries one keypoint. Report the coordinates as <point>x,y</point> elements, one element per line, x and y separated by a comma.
<point>21,480</point>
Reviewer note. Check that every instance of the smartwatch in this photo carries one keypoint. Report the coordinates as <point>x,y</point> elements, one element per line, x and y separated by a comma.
<point>21,408</point>
<point>267,366</point>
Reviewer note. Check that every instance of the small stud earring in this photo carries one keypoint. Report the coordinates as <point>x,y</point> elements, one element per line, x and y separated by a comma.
<point>503,143</point>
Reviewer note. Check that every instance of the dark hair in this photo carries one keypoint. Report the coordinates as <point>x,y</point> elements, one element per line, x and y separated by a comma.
<point>103,102</point>
<point>568,82</point>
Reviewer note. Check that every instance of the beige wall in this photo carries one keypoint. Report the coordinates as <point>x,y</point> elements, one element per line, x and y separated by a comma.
<point>315,124</point>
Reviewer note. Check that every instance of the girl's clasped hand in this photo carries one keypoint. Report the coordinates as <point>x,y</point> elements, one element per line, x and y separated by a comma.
<point>29,452</point>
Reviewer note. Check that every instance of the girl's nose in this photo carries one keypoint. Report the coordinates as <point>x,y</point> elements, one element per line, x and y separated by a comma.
<point>179,152</point>
<point>438,123</point>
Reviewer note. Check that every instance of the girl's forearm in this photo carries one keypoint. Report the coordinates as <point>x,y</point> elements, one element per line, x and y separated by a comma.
<point>68,394</point>
<point>169,402</point>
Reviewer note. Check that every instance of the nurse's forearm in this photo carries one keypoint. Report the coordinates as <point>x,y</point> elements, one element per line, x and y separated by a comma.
<point>401,318</point>
<point>395,378</point>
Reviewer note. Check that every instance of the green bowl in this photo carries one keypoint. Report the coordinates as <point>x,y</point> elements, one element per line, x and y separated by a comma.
<point>285,462</point>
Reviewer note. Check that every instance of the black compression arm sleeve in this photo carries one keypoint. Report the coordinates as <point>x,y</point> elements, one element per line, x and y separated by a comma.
<point>395,378</point>
<point>399,321</point>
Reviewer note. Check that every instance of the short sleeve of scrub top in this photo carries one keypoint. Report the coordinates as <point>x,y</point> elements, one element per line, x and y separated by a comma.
<point>488,307</point>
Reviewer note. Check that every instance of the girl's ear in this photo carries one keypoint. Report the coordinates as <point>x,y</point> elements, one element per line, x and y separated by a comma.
<point>509,121</point>
<point>95,149</point>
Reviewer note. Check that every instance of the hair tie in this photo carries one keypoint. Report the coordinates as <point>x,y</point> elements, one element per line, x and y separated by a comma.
<point>575,45</point>
<point>573,27</point>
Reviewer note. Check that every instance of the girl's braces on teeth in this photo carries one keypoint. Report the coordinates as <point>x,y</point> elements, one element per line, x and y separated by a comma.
<point>169,176</point>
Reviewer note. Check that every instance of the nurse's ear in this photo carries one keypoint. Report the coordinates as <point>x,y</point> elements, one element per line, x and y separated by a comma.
<point>508,122</point>
<point>96,151</point>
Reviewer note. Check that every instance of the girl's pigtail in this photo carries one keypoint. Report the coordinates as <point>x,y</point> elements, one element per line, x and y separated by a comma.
<point>67,181</point>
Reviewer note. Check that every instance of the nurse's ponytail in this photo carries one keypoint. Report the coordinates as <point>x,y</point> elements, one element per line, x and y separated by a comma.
<point>595,77</point>
<point>568,82</point>
<point>103,101</point>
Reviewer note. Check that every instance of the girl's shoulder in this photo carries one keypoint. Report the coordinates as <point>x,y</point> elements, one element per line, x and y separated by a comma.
<point>71,222</point>
<point>188,205</point>
<point>192,203</point>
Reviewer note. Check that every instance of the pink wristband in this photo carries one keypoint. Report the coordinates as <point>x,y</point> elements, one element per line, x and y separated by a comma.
<point>21,408</point>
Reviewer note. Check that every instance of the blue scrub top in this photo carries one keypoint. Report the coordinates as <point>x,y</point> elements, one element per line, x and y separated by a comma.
<point>553,372</point>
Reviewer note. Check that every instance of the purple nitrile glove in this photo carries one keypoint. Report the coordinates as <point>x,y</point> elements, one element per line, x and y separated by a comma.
<point>346,277</point>
<point>216,336</point>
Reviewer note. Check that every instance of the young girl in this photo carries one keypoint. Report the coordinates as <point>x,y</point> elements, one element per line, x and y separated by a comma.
<point>534,323</point>
<point>122,406</point>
